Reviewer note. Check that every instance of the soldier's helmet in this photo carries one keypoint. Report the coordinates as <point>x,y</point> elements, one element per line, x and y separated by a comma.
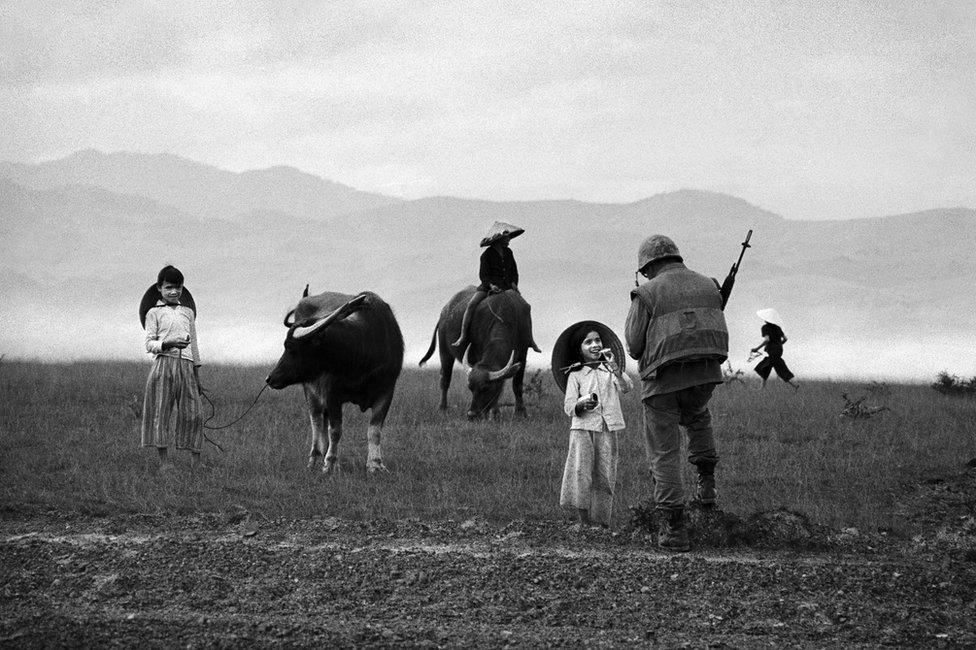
<point>655,248</point>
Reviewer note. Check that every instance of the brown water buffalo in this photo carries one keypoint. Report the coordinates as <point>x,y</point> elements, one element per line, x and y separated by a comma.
<point>499,337</point>
<point>342,348</point>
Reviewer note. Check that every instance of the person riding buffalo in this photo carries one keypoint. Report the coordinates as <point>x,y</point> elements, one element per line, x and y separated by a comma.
<point>498,272</point>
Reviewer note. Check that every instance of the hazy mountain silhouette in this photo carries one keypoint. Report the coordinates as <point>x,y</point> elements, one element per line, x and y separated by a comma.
<point>873,296</point>
<point>195,188</point>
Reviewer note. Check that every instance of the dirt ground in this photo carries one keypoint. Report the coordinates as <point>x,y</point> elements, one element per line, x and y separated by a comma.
<point>232,580</point>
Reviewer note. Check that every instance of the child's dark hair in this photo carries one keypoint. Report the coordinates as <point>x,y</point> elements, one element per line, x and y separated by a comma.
<point>169,274</point>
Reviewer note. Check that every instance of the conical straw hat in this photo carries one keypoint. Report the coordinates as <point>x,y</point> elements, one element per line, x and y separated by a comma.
<point>563,356</point>
<point>770,315</point>
<point>501,229</point>
<point>152,296</point>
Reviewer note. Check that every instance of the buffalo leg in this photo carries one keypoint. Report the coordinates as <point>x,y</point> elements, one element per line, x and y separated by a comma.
<point>317,416</point>
<point>447,369</point>
<point>374,433</point>
<point>517,382</point>
<point>335,433</point>
<point>445,385</point>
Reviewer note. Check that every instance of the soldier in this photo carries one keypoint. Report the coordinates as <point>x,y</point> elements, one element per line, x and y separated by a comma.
<point>676,330</point>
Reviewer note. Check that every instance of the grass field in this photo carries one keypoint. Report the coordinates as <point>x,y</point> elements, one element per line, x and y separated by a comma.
<point>69,441</point>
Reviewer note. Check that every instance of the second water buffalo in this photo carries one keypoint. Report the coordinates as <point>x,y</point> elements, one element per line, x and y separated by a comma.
<point>499,336</point>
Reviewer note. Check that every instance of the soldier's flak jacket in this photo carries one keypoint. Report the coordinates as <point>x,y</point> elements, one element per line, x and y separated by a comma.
<point>686,319</point>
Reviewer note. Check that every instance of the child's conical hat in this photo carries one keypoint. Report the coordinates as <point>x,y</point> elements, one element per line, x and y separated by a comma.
<point>563,356</point>
<point>770,315</point>
<point>501,229</point>
<point>152,296</point>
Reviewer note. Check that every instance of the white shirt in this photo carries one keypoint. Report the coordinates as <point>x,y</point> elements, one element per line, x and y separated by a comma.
<point>168,323</point>
<point>605,384</point>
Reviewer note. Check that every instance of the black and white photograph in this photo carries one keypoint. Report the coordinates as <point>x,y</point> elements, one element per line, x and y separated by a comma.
<point>488,324</point>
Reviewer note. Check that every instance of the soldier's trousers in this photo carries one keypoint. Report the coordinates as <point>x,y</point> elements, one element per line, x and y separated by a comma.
<point>663,414</point>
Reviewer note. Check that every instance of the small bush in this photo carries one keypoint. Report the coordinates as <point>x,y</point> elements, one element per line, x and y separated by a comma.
<point>880,389</point>
<point>533,389</point>
<point>952,385</point>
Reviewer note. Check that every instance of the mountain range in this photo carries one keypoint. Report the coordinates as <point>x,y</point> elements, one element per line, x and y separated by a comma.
<point>82,238</point>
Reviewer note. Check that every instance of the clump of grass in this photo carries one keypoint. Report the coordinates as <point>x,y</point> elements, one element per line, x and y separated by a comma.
<point>858,410</point>
<point>879,389</point>
<point>952,385</point>
<point>732,375</point>
<point>533,387</point>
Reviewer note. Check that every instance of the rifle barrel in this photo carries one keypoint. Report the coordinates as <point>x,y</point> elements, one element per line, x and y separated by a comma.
<point>745,245</point>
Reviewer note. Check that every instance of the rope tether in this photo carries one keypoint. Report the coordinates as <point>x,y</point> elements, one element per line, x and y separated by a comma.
<point>213,414</point>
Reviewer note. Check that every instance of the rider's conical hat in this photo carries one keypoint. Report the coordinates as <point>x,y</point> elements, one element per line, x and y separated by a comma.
<point>770,315</point>
<point>152,296</point>
<point>501,229</point>
<point>563,356</point>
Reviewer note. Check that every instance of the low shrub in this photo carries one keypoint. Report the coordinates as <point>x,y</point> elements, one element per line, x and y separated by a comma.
<point>952,385</point>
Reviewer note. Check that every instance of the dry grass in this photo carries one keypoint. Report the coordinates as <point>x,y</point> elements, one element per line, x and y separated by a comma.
<point>69,440</point>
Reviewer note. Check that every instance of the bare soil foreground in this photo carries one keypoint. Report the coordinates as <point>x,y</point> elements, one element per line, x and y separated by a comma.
<point>233,580</point>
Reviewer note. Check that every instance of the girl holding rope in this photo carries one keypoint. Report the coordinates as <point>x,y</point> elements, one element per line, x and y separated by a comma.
<point>171,411</point>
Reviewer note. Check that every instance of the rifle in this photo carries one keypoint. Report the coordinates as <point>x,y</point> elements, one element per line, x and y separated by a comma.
<point>726,288</point>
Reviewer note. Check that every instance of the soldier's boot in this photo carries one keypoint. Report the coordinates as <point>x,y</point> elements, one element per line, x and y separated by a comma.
<point>706,483</point>
<point>706,489</point>
<point>672,534</point>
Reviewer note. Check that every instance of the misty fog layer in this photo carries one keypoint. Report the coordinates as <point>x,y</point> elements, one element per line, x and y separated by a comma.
<point>881,298</point>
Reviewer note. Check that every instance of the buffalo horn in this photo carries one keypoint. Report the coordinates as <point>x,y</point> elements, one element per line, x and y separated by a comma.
<point>495,375</point>
<point>340,313</point>
<point>292,312</point>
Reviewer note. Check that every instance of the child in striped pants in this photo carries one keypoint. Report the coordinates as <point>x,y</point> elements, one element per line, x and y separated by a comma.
<point>171,412</point>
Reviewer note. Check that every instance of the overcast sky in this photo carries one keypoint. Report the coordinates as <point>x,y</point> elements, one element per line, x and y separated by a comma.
<point>810,109</point>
